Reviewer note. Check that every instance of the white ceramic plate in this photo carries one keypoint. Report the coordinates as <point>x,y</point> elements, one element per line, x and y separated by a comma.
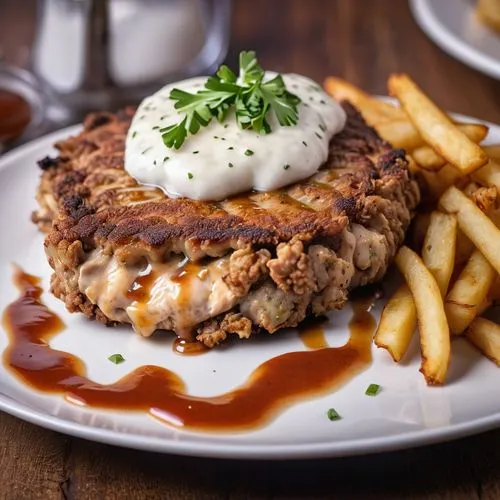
<point>454,26</point>
<point>406,412</point>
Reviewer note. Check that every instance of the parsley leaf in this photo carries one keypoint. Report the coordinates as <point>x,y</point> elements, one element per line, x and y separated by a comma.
<point>116,359</point>
<point>251,97</point>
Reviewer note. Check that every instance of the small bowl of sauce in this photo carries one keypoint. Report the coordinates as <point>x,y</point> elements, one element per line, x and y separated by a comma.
<point>22,104</point>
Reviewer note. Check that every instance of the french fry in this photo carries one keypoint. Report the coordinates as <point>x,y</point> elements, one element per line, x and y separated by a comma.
<point>469,292</point>
<point>489,175</point>
<point>341,89</point>
<point>464,249</point>
<point>493,151</point>
<point>474,223</point>
<point>476,132</point>
<point>428,159</point>
<point>433,327</point>
<point>488,12</point>
<point>438,252</point>
<point>400,133</point>
<point>485,335</point>
<point>435,127</point>
<point>397,323</point>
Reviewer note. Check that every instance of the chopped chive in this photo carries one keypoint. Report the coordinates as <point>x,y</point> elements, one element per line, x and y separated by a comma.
<point>146,150</point>
<point>163,117</point>
<point>142,117</point>
<point>190,175</point>
<point>372,390</point>
<point>230,148</point>
<point>154,163</point>
<point>248,152</point>
<point>305,104</point>
<point>226,125</point>
<point>156,127</point>
<point>216,136</point>
<point>305,143</point>
<point>333,415</point>
<point>319,136</point>
<point>195,152</point>
<point>230,165</point>
<point>116,359</point>
<point>286,167</point>
<point>322,127</point>
<point>166,158</point>
<point>134,133</point>
<point>322,101</point>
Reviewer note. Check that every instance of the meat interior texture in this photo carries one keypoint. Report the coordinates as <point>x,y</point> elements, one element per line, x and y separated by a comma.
<point>125,253</point>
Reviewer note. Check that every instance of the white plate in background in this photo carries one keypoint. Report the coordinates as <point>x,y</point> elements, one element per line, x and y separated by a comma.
<point>453,25</point>
<point>406,413</point>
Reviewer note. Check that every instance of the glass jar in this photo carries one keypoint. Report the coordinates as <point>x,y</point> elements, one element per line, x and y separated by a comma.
<point>96,54</point>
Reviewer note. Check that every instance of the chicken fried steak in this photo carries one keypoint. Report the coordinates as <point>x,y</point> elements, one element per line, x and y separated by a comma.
<point>127,253</point>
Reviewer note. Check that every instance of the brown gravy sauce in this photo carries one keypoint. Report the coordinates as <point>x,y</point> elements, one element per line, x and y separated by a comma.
<point>188,347</point>
<point>275,384</point>
<point>15,115</point>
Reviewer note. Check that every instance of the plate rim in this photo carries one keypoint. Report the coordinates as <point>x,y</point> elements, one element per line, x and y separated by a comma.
<point>228,450</point>
<point>450,43</point>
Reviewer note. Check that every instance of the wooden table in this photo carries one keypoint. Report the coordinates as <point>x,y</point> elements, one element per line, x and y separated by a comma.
<point>363,41</point>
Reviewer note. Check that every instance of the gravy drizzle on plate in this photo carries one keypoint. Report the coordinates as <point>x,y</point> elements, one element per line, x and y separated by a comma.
<point>272,386</point>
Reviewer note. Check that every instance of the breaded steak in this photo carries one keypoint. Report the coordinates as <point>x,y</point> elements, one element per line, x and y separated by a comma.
<point>125,253</point>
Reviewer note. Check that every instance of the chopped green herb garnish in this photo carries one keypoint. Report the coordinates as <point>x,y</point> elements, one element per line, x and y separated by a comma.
<point>156,127</point>
<point>248,152</point>
<point>322,127</point>
<point>216,136</point>
<point>195,152</point>
<point>305,143</point>
<point>333,415</point>
<point>286,167</point>
<point>163,117</point>
<point>319,136</point>
<point>154,163</point>
<point>190,175</point>
<point>116,359</point>
<point>226,125</point>
<point>251,96</point>
<point>230,148</point>
<point>166,159</point>
<point>372,390</point>
<point>146,150</point>
<point>230,165</point>
<point>134,134</point>
<point>322,101</point>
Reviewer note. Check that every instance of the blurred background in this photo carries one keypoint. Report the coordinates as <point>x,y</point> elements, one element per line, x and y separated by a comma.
<point>103,54</point>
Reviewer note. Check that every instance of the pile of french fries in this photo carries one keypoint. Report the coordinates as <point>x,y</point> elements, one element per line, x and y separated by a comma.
<point>451,265</point>
<point>488,12</point>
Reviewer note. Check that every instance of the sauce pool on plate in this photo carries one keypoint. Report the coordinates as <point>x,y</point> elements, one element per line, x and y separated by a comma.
<point>15,115</point>
<point>274,385</point>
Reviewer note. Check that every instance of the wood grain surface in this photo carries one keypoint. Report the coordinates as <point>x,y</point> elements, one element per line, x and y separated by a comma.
<point>363,41</point>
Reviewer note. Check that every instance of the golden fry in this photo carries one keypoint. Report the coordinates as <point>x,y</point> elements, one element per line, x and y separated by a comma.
<point>438,252</point>
<point>343,90</point>
<point>435,127</point>
<point>428,159</point>
<point>489,175</point>
<point>474,223</point>
<point>397,323</point>
<point>433,327</point>
<point>469,292</point>
<point>493,151</point>
<point>485,335</point>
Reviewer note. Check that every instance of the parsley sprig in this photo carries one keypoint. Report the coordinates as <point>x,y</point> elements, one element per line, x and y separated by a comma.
<point>251,97</point>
